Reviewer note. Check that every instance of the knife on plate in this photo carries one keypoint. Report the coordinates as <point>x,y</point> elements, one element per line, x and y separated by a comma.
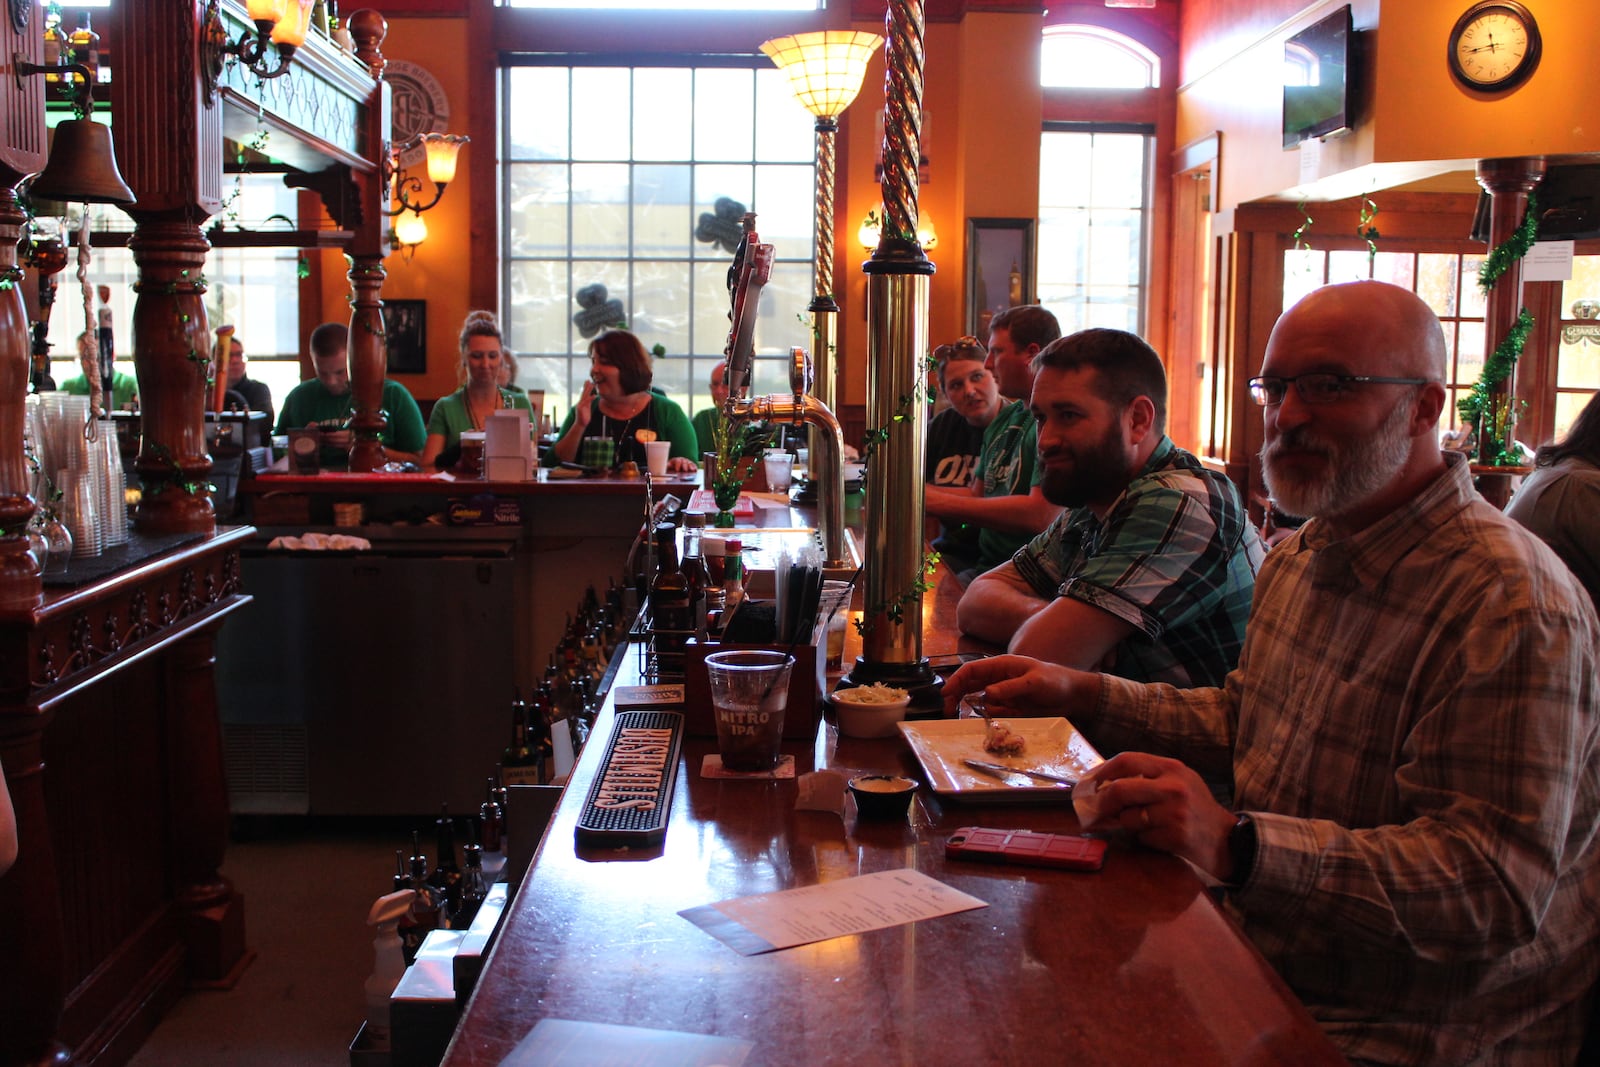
<point>1017,775</point>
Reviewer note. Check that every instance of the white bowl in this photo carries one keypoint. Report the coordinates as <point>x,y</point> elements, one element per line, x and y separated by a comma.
<point>868,720</point>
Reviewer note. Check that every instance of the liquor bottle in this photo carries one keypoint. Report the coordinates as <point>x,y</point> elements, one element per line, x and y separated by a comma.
<point>541,714</point>
<point>57,50</point>
<point>669,599</point>
<point>86,46</point>
<point>694,569</point>
<point>425,908</point>
<point>502,797</point>
<point>406,928</point>
<point>491,822</point>
<point>446,874</point>
<point>473,888</point>
<point>518,763</point>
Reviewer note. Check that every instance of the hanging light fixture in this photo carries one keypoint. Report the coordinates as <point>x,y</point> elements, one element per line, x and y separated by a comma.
<point>82,167</point>
<point>440,151</point>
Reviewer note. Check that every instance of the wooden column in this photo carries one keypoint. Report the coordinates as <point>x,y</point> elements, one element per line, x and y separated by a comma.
<point>169,148</point>
<point>1508,182</point>
<point>33,991</point>
<point>368,247</point>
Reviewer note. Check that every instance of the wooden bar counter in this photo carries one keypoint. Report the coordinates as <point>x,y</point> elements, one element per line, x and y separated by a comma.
<point>1132,964</point>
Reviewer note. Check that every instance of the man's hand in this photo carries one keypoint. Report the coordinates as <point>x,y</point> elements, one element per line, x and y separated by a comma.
<point>1166,806</point>
<point>1017,685</point>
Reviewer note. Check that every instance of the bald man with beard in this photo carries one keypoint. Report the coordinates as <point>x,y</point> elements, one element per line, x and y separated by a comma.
<point>1412,732</point>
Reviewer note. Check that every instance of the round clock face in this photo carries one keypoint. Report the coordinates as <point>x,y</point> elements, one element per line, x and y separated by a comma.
<point>1494,45</point>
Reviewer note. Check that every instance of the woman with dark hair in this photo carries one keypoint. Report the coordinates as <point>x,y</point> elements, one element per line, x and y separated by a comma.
<point>617,402</point>
<point>480,395</point>
<point>1560,500</point>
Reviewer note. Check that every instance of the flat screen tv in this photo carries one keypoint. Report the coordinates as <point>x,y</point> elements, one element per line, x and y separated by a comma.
<point>1316,79</point>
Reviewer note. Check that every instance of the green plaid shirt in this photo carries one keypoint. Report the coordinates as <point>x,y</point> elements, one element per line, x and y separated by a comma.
<point>1176,558</point>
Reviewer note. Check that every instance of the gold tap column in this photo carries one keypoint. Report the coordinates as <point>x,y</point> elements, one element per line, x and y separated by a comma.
<point>897,339</point>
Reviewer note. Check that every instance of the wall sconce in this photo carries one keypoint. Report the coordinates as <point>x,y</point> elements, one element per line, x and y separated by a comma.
<point>409,231</point>
<point>927,236</point>
<point>281,22</point>
<point>441,150</point>
<point>1586,331</point>
<point>82,167</point>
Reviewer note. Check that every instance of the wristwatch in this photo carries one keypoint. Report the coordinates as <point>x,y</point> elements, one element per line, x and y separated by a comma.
<point>1242,849</point>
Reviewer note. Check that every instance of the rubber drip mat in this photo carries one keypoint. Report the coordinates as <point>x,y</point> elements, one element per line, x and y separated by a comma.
<point>631,798</point>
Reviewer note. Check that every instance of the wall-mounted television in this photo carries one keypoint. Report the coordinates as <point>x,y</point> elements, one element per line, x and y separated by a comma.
<point>1317,79</point>
<point>1569,205</point>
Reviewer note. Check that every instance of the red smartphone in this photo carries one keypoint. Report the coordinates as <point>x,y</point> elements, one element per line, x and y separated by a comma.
<point>1071,851</point>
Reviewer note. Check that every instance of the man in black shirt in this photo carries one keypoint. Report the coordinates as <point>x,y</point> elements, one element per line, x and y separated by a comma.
<point>256,394</point>
<point>955,437</point>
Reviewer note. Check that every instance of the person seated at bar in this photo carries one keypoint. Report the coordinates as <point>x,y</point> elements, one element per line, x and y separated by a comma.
<point>1411,734</point>
<point>8,826</point>
<point>705,419</point>
<point>326,403</point>
<point>617,402</point>
<point>123,389</point>
<point>480,395</point>
<point>508,373</point>
<point>1560,500</point>
<point>1003,501</point>
<point>257,396</point>
<point>1149,572</point>
<point>955,439</point>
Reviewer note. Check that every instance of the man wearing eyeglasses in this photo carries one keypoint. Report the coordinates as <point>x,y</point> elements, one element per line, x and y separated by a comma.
<point>1148,573</point>
<point>955,438</point>
<point>1413,733</point>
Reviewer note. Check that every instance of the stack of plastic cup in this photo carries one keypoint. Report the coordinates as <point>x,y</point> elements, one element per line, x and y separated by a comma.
<point>114,483</point>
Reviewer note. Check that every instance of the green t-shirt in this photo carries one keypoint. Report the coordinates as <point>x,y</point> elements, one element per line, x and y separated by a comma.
<point>1007,466</point>
<point>450,417</point>
<point>124,388</point>
<point>310,404</point>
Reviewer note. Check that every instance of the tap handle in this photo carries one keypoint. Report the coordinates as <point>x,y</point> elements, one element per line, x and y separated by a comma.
<point>800,376</point>
<point>754,274</point>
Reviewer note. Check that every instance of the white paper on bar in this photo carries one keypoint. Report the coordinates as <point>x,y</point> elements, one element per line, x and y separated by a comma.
<point>505,433</point>
<point>770,921</point>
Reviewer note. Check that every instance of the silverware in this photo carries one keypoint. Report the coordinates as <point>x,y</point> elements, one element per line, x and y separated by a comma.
<point>1009,774</point>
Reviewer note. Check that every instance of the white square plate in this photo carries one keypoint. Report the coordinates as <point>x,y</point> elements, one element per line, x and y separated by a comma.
<point>1053,745</point>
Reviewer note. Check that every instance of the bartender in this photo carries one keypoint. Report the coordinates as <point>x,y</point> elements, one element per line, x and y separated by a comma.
<point>617,403</point>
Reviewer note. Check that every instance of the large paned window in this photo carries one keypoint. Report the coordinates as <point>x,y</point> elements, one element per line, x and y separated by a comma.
<point>613,177</point>
<point>1448,283</point>
<point>1094,178</point>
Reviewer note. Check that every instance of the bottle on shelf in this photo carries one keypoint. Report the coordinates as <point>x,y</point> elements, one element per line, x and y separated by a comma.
<point>86,46</point>
<point>694,569</point>
<point>425,908</point>
<point>541,714</point>
<point>446,874</point>
<point>473,887</point>
<point>670,621</point>
<point>491,821</point>
<point>732,580</point>
<point>502,796</point>
<point>57,50</point>
<point>519,764</point>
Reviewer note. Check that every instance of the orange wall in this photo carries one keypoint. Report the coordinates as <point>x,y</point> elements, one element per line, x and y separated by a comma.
<point>437,271</point>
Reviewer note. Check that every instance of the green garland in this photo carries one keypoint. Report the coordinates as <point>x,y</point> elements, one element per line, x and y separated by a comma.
<point>1493,449</point>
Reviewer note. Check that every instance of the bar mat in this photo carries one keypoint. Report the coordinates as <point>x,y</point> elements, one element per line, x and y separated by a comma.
<point>711,767</point>
<point>630,800</point>
<point>139,547</point>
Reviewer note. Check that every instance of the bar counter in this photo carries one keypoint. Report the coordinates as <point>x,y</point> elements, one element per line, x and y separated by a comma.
<point>1131,964</point>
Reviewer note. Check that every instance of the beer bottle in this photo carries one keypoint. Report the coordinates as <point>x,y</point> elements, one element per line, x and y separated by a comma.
<point>473,888</point>
<point>669,599</point>
<point>446,876</point>
<point>518,763</point>
<point>491,822</point>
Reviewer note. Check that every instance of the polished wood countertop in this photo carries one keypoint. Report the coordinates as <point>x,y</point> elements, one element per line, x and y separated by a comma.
<point>440,484</point>
<point>1131,964</point>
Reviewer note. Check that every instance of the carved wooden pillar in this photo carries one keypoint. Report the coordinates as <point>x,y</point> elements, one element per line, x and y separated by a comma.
<point>1508,182</point>
<point>22,152</point>
<point>169,148</point>
<point>368,247</point>
<point>32,987</point>
<point>213,912</point>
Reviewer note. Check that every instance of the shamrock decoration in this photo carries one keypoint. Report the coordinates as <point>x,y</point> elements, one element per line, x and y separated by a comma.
<point>722,228</point>
<point>598,312</point>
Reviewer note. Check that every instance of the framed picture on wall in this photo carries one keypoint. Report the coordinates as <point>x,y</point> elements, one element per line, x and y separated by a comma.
<point>405,332</point>
<point>1000,269</point>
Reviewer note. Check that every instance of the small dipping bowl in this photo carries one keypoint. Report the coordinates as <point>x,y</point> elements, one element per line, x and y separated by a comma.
<point>869,718</point>
<point>882,796</point>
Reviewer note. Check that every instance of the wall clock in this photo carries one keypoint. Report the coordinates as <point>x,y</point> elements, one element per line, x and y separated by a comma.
<point>1494,45</point>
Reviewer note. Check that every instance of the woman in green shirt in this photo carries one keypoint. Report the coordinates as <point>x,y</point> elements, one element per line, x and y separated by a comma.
<point>480,395</point>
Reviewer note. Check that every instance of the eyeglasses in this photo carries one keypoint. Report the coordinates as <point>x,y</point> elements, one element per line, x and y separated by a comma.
<point>1318,388</point>
<point>964,348</point>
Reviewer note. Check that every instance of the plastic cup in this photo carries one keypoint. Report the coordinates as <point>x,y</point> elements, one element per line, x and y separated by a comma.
<point>655,454</point>
<point>749,692</point>
<point>597,452</point>
<point>779,466</point>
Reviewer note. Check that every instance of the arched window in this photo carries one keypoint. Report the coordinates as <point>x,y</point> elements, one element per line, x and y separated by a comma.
<point>1092,57</point>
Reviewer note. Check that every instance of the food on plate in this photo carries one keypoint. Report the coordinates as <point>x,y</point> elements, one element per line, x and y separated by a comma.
<point>876,693</point>
<point>1000,739</point>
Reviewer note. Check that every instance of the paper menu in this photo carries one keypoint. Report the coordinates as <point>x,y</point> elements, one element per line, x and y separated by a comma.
<point>770,921</point>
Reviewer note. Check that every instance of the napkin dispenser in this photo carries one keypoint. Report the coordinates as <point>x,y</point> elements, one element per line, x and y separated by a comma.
<point>807,682</point>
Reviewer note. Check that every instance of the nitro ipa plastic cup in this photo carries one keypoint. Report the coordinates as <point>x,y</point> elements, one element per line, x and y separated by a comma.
<point>749,692</point>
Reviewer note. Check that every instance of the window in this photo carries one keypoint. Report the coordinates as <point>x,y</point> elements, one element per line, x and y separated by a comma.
<point>1095,178</point>
<point>609,174</point>
<point>1578,358</point>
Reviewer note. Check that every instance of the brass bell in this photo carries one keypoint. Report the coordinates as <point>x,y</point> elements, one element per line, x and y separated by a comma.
<point>82,167</point>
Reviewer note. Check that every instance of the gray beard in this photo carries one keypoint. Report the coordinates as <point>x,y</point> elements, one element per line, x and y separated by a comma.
<point>1357,470</point>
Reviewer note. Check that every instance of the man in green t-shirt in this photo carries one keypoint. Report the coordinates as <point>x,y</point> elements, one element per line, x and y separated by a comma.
<point>325,402</point>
